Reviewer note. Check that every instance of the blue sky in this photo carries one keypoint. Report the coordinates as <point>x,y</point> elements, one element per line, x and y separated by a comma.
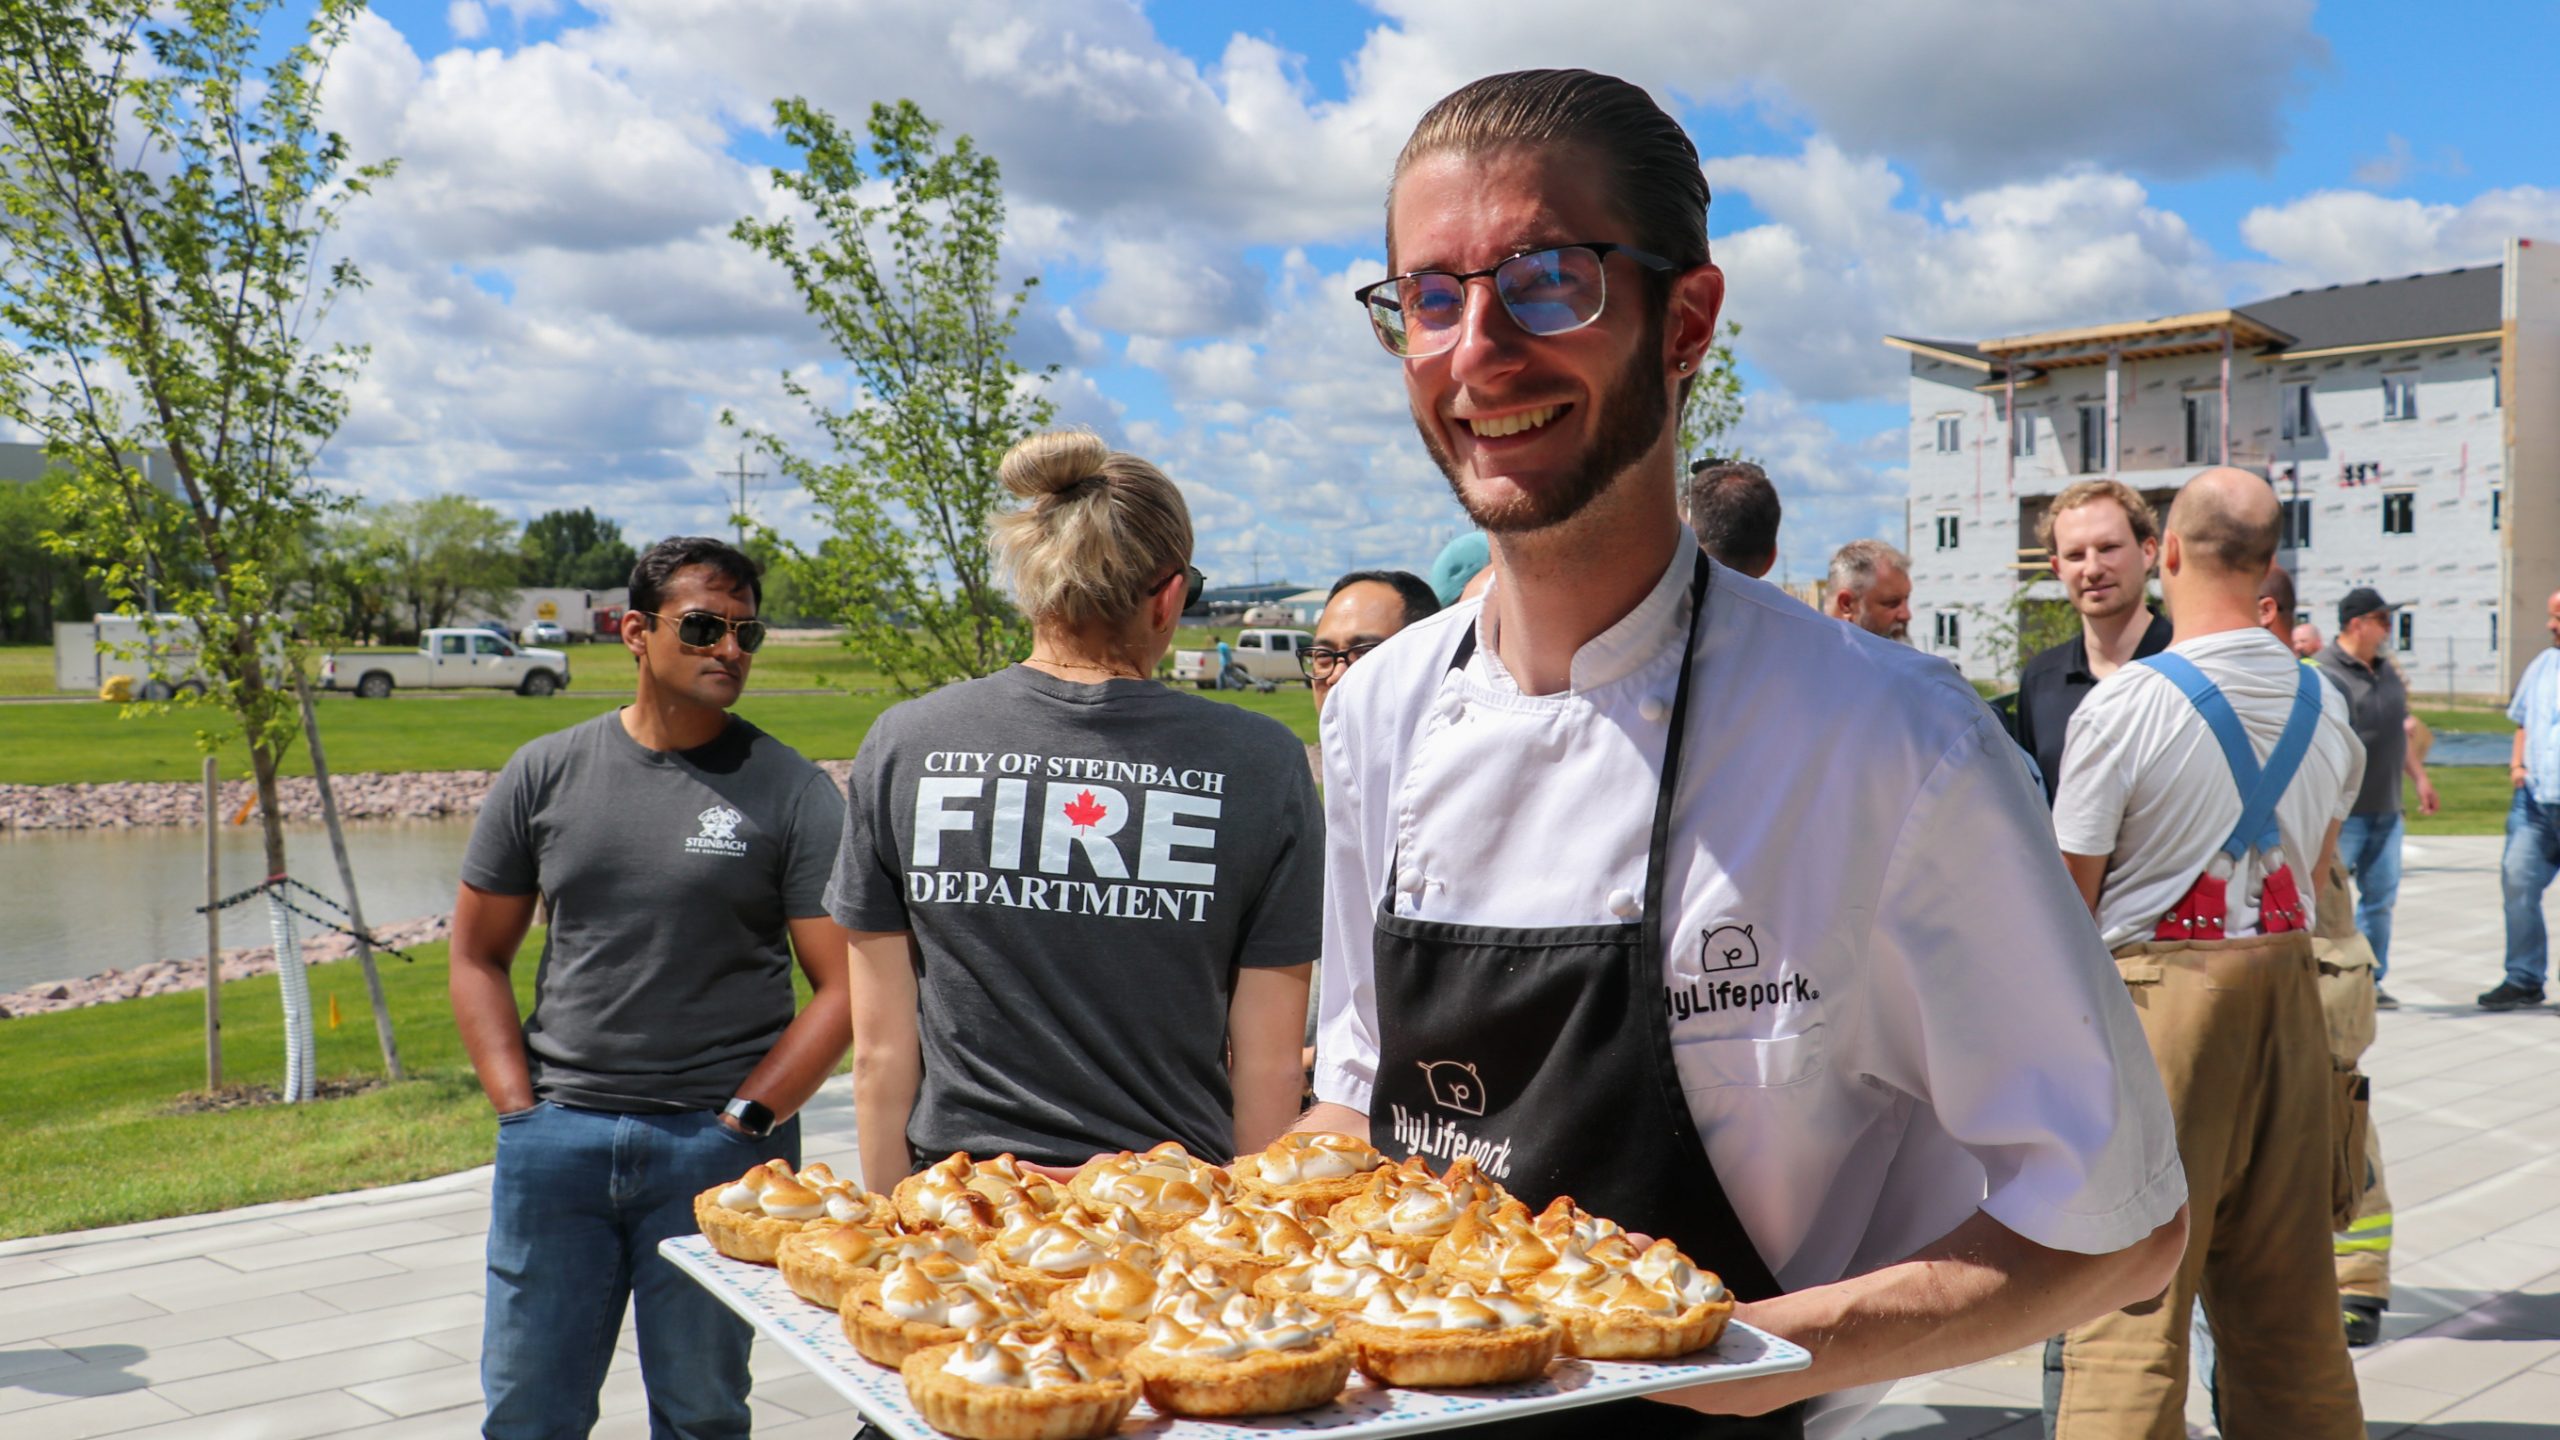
<point>559,318</point>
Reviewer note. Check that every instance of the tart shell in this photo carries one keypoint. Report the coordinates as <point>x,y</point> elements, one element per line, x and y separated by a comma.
<point>738,1235</point>
<point>957,1406</point>
<point>814,1276</point>
<point>885,1339</point>
<point>1110,1339</point>
<point>1262,1382</point>
<point>1454,1359</point>
<point>1318,1196</point>
<point>1629,1335</point>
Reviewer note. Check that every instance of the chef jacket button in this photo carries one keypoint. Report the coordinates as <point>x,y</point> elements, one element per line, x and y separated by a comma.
<point>1622,903</point>
<point>1654,709</point>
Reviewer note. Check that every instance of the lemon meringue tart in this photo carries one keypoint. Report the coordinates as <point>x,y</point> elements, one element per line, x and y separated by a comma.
<point>1431,1336</point>
<point>1018,1383</point>
<point>932,1299</point>
<point>1316,1168</point>
<point>1238,1356</point>
<point>748,1218</point>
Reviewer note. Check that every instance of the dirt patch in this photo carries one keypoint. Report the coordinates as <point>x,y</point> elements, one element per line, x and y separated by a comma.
<point>242,1097</point>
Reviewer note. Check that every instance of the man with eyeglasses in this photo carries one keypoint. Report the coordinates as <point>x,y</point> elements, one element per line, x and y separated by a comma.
<point>684,854</point>
<point>1747,932</point>
<point>1360,612</point>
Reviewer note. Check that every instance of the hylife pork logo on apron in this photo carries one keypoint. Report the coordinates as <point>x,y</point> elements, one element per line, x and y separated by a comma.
<point>1455,1086</point>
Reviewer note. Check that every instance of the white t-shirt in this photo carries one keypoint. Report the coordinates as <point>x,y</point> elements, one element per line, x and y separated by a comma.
<point>1959,1040</point>
<point>2145,783</point>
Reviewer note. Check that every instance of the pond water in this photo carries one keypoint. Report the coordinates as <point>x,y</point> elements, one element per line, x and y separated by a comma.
<point>81,901</point>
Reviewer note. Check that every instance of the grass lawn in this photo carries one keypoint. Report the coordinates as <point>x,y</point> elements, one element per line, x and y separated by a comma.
<point>111,1127</point>
<point>2472,799</point>
<point>63,744</point>
<point>26,670</point>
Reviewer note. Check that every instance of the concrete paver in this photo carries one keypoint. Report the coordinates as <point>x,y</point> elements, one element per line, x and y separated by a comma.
<point>360,1314</point>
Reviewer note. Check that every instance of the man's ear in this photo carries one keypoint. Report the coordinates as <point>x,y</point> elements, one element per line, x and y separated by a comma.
<point>2151,554</point>
<point>2173,556</point>
<point>635,632</point>
<point>1697,299</point>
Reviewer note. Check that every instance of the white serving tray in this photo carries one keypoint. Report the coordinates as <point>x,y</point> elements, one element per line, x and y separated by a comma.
<point>813,1336</point>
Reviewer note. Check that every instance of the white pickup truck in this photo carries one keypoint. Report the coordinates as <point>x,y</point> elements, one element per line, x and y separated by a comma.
<point>448,660</point>
<point>1267,658</point>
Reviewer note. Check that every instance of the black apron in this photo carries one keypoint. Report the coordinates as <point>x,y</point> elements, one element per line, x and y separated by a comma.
<point>1546,1055</point>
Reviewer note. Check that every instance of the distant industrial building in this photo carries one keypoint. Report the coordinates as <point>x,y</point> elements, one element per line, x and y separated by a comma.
<point>21,463</point>
<point>2410,427</point>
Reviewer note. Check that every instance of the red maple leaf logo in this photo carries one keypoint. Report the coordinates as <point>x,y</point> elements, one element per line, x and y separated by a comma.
<point>1084,811</point>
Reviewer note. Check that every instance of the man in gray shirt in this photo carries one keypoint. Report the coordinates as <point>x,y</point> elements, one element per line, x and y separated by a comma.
<point>684,855</point>
<point>2369,840</point>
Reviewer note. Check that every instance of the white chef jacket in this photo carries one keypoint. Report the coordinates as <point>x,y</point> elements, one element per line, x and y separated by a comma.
<point>2144,782</point>
<point>1891,1007</point>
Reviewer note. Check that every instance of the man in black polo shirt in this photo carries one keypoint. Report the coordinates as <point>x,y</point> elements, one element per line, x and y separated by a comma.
<point>2103,539</point>
<point>2378,700</point>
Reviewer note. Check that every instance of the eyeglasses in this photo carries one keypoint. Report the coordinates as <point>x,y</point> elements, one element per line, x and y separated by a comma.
<point>1547,292</point>
<point>701,629</point>
<point>1319,663</point>
<point>1193,582</point>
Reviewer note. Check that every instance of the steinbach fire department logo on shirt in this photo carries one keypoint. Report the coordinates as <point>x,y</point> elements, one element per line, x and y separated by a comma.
<point>1117,839</point>
<point>719,834</point>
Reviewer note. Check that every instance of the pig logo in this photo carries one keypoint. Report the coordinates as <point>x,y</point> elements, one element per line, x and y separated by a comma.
<point>1728,947</point>
<point>1454,1085</point>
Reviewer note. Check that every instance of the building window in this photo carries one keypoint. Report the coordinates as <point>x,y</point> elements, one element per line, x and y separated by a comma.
<point>2204,427</point>
<point>2400,512</point>
<point>1948,634</point>
<point>2400,396</point>
<point>2497,509</point>
<point>2093,439</point>
<point>2493,634</point>
<point>2022,431</point>
<point>2296,419</point>
<point>1950,533</point>
<point>2497,398</point>
<point>2297,524</point>
<point>2404,631</point>
<point>1950,434</point>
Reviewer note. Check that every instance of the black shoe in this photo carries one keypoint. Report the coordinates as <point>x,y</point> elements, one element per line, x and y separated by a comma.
<point>2382,999</point>
<point>2363,1315</point>
<point>2509,996</point>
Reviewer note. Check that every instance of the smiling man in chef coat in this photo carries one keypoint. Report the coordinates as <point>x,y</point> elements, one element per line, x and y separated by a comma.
<point>1649,885</point>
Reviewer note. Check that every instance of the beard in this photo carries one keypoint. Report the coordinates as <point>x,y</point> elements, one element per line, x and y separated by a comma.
<point>1629,424</point>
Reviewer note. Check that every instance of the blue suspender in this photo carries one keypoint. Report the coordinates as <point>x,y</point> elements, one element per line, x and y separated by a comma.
<point>2260,787</point>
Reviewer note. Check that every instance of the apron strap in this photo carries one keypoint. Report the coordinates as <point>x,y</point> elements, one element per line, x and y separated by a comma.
<point>1659,846</point>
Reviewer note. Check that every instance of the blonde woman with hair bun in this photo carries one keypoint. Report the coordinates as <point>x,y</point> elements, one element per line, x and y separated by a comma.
<point>1084,905</point>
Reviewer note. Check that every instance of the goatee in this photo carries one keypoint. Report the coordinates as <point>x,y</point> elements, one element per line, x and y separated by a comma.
<point>1629,425</point>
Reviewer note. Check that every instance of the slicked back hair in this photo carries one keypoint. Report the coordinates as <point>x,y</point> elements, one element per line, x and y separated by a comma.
<point>1649,163</point>
<point>1419,601</point>
<point>1733,509</point>
<point>649,576</point>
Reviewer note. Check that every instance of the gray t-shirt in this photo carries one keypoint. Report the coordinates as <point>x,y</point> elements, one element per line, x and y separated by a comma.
<point>1084,868</point>
<point>2378,700</point>
<point>666,974</point>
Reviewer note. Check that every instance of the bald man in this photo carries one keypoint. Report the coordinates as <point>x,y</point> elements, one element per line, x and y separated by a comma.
<point>2198,869</point>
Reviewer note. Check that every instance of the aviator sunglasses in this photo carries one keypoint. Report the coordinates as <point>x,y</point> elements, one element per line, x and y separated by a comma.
<point>1546,292</point>
<point>702,630</point>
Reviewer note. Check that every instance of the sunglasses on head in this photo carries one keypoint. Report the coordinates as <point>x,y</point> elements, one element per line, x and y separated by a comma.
<point>702,630</point>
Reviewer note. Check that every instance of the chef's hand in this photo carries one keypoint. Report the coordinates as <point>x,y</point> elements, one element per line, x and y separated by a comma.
<point>1064,1173</point>
<point>1756,1396</point>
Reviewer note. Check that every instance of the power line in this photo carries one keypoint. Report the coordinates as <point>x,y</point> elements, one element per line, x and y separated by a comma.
<point>742,475</point>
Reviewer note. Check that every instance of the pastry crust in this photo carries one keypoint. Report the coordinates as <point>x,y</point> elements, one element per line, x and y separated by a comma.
<point>1635,1335</point>
<point>1453,1359</point>
<point>1259,1382</point>
<point>814,1266</point>
<point>739,1235</point>
<point>1316,1196</point>
<point>958,1406</point>
<point>1110,1339</point>
<point>886,1338</point>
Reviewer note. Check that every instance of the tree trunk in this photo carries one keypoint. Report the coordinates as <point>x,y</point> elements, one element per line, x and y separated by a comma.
<point>347,878</point>
<point>293,983</point>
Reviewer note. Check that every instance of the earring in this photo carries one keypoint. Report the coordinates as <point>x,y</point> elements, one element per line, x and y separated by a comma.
<point>1684,367</point>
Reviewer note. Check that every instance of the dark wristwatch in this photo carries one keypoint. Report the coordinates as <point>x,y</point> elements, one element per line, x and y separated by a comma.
<point>753,1116</point>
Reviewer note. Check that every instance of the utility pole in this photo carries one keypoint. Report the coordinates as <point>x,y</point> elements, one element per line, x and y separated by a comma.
<point>742,475</point>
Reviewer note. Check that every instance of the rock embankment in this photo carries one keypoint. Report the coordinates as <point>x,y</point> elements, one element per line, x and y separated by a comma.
<point>133,804</point>
<point>162,977</point>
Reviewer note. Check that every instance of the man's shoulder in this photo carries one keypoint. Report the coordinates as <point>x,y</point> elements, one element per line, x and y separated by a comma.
<point>2049,663</point>
<point>552,753</point>
<point>773,759</point>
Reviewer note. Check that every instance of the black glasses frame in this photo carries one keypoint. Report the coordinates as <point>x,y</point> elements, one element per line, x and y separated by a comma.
<point>750,631</point>
<point>1330,659</point>
<point>1193,584</point>
<point>1373,303</point>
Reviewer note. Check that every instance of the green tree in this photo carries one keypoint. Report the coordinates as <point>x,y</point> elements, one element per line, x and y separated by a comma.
<point>39,582</point>
<point>166,185</point>
<point>576,549</point>
<point>445,555</point>
<point>344,582</point>
<point>906,288</point>
<point>1714,408</point>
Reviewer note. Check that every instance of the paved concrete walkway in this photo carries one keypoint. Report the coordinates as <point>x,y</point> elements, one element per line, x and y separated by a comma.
<point>360,1314</point>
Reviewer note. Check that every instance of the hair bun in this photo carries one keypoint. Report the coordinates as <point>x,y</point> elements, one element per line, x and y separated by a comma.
<point>1054,462</point>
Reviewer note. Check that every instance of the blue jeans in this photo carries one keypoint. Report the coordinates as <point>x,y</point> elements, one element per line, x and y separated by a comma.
<point>2369,846</point>
<point>2532,858</point>
<point>580,1202</point>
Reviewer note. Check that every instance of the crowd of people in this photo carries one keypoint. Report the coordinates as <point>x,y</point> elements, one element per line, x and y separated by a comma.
<point>1747,926</point>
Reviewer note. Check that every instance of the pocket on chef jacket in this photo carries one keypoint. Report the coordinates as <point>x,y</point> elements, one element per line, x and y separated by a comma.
<point>1767,1063</point>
